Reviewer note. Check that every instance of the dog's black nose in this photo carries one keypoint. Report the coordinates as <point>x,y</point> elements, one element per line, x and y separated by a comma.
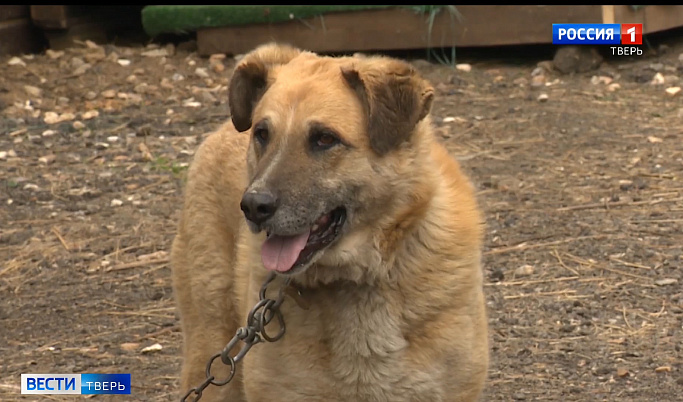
<point>258,206</point>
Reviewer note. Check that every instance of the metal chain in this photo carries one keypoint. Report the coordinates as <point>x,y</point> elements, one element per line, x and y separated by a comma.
<point>254,332</point>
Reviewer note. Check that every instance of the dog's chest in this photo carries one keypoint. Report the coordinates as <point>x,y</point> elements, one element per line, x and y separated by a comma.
<point>346,348</point>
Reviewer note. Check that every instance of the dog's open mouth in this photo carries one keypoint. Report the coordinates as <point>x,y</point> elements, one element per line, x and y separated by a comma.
<point>284,253</point>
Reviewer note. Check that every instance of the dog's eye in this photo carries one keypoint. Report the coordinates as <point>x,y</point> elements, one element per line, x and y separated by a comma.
<point>261,134</point>
<point>322,140</point>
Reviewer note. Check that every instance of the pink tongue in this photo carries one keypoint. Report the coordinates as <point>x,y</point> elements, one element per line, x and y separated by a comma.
<point>279,253</point>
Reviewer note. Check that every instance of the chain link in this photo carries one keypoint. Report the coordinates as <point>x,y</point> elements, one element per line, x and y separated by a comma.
<point>254,332</point>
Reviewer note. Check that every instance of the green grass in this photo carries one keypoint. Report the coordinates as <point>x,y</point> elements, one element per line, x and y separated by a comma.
<point>162,164</point>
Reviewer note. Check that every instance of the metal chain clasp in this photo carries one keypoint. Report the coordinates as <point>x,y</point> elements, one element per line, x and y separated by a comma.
<point>254,332</point>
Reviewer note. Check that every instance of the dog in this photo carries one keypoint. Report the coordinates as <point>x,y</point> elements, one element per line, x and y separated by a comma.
<point>329,174</point>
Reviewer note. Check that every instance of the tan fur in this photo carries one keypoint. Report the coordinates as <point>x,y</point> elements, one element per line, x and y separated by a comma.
<point>397,309</point>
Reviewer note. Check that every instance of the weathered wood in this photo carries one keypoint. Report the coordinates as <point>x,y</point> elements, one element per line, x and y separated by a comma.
<point>402,29</point>
<point>653,18</point>
<point>13,12</point>
<point>18,36</point>
<point>50,17</point>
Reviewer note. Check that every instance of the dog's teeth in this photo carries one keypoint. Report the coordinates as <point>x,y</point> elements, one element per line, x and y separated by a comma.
<point>315,228</point>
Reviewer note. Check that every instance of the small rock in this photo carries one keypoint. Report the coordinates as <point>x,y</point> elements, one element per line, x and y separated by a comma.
<point>31,186</point>
<point>113,57</point>
<point>116,203</point>
<point>576,59</point>
<point>601,79</point>
<point>140,88</point>
<point>54,54</point>
<point>663,369</point>
<point>170,49</point>
<point>543,98</point>
<point>613,87</point>
<point>3,155</point>
<point>201,72</point>
<point>49,133</point>
<point>82,69</point>
<point>191,103</point>
<point>123,62</point>
<point>222,56</point>
<point>177,77</point>
<point>666,281</point>
<point>206,97</point>
<point>518,396</point>
<point>78,125</point>
<point>524,270</point>
<point>166,83</point>
<point>16,61</point>
<point>36,139</point>
<point>91,45</point>
<point>670,79</point>
<point>521,81</point>
<point>622,372</point>
<point>63,101</point>
<point>673,91</point>
<point>191,63</point>
<point>113,138</point>
<point>90,95</point>
<point>151,349</point>
<point>109,93</point>
<point>217,67</point>
<point>51,118</point>
<point>463,67</point>
<point>101,145</point>
<point>546,65</point>
<point>90,114</point>
<point>12,153</point>
<point>131,78</point>
<point>47,159</point>
<point>654,140</point>
<point>33,91</point>
<point>537,71</point>
<point>680,58</point>
<point>448,119</point>
<point>129,346</point>
<point>656,66</point>
<point>155,53</point>
<point>538,81</point>
<point>658,79</point>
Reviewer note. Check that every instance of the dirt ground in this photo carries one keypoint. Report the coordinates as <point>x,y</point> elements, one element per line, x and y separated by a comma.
<point>583,194</point>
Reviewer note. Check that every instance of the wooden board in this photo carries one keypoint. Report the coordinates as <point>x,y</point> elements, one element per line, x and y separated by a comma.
<point>13,12</point>
<point>402,29</point>
<point>18,36</point>
<point>50,17</point>
<point>653,18</point>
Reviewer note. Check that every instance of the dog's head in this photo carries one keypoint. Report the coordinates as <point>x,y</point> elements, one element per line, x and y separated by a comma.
<point>322,130</point>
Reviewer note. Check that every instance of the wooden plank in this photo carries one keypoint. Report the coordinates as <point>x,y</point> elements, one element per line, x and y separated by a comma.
<point>653,18</point>
<point>18,36</point>
<point>50,17</point>
<point>13,12</point>
<point>402,29</point>
<point>660,18</point>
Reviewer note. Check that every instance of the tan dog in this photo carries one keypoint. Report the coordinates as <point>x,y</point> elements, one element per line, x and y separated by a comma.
<point>334,163</point>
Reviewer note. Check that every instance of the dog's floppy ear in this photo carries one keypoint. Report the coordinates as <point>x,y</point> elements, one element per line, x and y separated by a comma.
<point>395,99</point>
<point>250,79</point>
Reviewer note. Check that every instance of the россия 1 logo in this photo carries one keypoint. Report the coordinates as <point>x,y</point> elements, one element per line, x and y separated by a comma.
<point>627,35</point>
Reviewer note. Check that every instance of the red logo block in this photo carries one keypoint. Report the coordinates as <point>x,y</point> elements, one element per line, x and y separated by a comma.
<point>631,34</point>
